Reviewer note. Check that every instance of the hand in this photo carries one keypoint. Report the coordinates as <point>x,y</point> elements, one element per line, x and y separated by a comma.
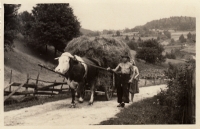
<point>130,81</point>
<point>108,68</point>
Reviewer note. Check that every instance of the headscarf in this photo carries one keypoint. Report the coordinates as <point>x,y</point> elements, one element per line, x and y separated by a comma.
<point>133,62</point>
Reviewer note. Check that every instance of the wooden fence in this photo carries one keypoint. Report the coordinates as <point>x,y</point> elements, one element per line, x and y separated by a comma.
<point>53,87</point>
<point>189,113</point>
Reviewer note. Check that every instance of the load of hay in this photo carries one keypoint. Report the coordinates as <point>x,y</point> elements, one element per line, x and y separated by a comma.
<point>107,51</point>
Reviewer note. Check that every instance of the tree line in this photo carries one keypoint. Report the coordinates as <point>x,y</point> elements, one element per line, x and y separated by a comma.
<point>175,23</point>
<point>47,25</point>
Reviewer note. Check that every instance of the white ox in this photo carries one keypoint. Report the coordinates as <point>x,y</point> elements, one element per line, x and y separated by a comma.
<point>78,73</point>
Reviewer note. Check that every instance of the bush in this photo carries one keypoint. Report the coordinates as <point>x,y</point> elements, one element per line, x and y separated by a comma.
<point>170,55</point>
<point>176,96</point>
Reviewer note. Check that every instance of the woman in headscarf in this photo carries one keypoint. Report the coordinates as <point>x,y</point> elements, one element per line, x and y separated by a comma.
<point>134,85</point>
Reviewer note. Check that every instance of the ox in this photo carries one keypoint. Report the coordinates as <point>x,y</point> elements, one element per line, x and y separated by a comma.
<point>78,73</point>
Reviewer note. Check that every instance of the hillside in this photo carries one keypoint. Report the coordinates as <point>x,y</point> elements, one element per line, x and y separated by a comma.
<point>175,23</point>
<point>24,60</point>
<point>85,31</point>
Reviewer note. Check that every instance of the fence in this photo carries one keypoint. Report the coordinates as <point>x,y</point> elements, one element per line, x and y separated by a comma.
<point>149,82</point>
<point>53,87</point>
<point>189,114</point>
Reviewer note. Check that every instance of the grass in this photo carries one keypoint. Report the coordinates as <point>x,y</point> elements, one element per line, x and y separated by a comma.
<point>25,60</point>
<point>174,61</point>
<point>190,49</point>
<point>143,112</point>
<point>32,101</point>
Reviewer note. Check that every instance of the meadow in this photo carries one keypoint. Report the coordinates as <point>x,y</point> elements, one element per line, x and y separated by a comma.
<point>177,34</point>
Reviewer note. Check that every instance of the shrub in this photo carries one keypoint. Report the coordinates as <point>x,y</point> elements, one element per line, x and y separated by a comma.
<point>170,55</point>
<point>176,96</point>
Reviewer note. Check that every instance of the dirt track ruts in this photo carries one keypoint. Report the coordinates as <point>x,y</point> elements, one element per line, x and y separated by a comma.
<point>58,113</point>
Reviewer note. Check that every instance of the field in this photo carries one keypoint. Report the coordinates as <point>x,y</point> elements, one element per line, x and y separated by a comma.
<point>190,49</point>
<point>176,35</point>
<point>174,61</point>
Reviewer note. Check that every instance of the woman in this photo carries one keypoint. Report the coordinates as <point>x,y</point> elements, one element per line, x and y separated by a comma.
<point>134,85</point>
<point>123,80</point>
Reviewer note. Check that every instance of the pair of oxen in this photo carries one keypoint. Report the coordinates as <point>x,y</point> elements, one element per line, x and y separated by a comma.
<point>78,71</point>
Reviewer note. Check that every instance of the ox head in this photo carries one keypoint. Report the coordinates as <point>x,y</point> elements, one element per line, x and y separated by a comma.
<point>63,62</point>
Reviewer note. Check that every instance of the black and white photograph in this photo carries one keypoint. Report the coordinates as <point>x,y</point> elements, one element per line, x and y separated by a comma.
<point>99,62</point>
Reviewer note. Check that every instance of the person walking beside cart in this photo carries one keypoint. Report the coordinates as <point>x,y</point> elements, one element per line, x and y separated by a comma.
<point>124,79</point>
<point>134,89</point>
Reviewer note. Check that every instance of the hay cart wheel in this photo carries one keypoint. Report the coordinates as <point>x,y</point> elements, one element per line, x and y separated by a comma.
<point>109,92</point>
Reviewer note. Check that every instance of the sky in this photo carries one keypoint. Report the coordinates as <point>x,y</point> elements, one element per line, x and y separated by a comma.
<point>121,14</point>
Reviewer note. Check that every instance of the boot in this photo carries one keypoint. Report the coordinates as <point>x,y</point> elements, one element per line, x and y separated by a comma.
<point>119,105</point>
<point>122,104</point>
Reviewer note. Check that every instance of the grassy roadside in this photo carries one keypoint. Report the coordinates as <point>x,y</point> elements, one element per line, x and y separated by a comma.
<point>32,101</point>
<point>143,112</point>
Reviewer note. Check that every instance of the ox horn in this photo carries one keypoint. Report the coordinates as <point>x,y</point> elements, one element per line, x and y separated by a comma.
<point>56,58</point>
<point>71,56</point>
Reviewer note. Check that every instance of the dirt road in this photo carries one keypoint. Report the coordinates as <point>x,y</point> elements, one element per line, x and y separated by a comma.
<point>58,113</point>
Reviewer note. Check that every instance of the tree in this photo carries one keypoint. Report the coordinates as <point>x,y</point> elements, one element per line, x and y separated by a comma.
<point>55,25</point>
<point>26,22</point>
<point>151,52</point>
<point>11,25</point>
<point>189,35</point>
<point>110,32</point>
<point>172,40</point>
<point>182,39</point>
<point>96,33</point>
<point>168,34</point>
<point>127,30</point>
<point>139,39</point>
<point>194,37</point>
<point>118,33</point>
<point>127,38</point>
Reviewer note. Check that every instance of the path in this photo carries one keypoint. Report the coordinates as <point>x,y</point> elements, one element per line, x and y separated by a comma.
<point>59,114</point>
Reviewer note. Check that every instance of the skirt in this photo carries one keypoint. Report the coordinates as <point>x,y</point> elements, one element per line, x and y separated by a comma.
<point>134,89</point>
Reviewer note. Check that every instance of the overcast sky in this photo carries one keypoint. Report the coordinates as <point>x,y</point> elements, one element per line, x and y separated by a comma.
<point>119,14</point>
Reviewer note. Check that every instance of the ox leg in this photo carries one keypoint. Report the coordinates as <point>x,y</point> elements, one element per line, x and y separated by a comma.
<point>73,105</point>
<point>81,90</point>
<point>92,95</point>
